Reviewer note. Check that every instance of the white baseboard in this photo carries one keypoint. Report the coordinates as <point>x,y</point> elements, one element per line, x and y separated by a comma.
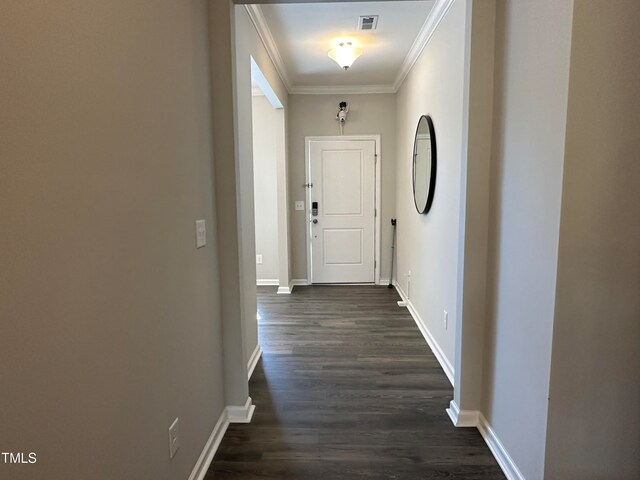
<point>293,283</point>
<point>241,414</point>
<point>474,418</point>
<point>462,418</point>
<point>231,414</point>
<point>208,452</point>
<point>383,281</point>
<point>435,348</point>
<point>253,361</point>
<point>503,458</point>
<point>267,282</point>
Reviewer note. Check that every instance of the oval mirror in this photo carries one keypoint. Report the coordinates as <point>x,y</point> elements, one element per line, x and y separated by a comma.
<point>424,164</point>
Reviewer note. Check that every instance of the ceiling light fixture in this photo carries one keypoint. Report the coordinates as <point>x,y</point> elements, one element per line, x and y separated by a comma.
<point>344,54</point>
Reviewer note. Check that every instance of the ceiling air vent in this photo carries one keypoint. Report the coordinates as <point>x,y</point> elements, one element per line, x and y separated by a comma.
<point>368,22</point>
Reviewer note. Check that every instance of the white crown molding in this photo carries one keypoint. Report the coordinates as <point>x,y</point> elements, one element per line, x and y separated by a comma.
<point>430,25</point>
<point>340,89</point>
<point>260,23</point>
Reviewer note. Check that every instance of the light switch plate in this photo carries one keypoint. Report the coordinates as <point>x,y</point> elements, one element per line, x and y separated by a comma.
<point>201,233</point>
<point>299,204</point>
<point>259,259</point>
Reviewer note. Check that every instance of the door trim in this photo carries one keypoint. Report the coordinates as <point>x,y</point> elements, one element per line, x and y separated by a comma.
<point>378,182</point>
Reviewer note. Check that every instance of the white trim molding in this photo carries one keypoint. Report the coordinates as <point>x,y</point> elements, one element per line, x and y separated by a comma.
<point>267,282</point>
<point>500,453</point>
<point>231,414</point>
<point>435,347</point>
<point>474,418</point>
<point>293,283</point>
<point>437,13</point>
<point>462,418</point>
<point>253,361</point>
<point>377,233</point>
<point>340,89</point>
<point>260,23</point>
<point>208,452</point>
<point>241,413</point>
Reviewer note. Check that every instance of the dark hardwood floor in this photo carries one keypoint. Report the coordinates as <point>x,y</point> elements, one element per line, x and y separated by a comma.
<point>347,388</point>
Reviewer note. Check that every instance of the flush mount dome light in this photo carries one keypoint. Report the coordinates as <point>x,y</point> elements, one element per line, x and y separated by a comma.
<point>344,54</point>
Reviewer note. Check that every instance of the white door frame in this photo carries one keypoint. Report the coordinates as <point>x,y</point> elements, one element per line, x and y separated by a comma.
<point>378,170</point>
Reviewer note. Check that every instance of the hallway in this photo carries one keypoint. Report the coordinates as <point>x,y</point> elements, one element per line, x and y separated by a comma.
<point>347,388</point>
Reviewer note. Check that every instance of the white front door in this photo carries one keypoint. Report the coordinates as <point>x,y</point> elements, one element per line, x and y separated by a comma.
<point>342,233</point>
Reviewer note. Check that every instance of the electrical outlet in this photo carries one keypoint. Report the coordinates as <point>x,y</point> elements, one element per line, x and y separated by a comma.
<point>299,204</point>
<point>445,318</point>
<point>174,440</point>
<point>259,259</point>
<point>201,233</point>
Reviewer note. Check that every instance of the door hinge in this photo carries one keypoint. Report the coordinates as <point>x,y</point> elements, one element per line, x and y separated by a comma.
<point>375,212</point>
<point>375,264</point>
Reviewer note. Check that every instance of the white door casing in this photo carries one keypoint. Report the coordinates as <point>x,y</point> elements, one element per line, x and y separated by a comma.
<point>342,241</point>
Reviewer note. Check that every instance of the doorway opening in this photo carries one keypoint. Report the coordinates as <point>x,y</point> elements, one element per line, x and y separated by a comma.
<point>343,194</point>
<point>269,183</point>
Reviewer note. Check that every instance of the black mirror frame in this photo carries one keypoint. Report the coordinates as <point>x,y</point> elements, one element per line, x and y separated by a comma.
<point>434,166</point>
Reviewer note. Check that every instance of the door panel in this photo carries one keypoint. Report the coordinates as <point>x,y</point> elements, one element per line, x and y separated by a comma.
<point>342,241</point>
<point>343,246</point>
<point>342,179</point>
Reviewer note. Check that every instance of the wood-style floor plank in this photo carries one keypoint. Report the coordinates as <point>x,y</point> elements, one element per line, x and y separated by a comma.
<point>347,388</point>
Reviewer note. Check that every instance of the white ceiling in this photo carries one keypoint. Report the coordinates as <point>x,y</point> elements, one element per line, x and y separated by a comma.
<point>302,34</point>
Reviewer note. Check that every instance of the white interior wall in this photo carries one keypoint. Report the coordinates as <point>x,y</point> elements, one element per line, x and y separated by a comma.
<point>428,244</point>
<point>531,84</point>
<point>265,127</point>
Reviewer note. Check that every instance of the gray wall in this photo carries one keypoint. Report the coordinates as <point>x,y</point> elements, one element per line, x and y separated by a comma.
<point>594,405</point>
<point>248,45</point>
<point>312,115</point>
<point>531,84</point>
<point>474,204</point>
<point>265,125</point>
<point>111,325</point>
<point>428,244</point>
